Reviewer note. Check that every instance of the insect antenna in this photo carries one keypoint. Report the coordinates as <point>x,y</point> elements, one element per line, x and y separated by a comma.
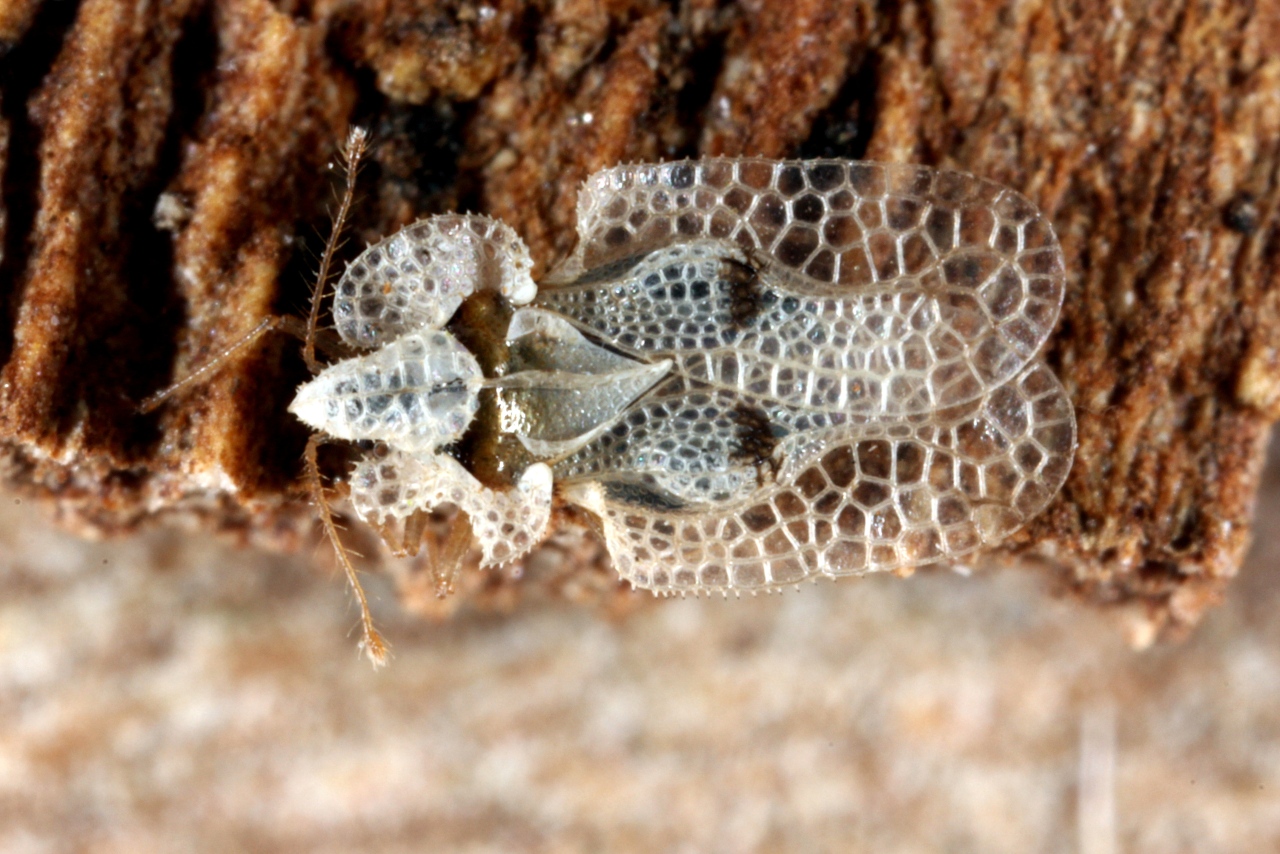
<point>371,641</point>
<point>353,152</point>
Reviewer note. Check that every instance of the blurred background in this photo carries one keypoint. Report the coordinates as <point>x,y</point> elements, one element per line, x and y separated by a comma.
<point>169,692</point>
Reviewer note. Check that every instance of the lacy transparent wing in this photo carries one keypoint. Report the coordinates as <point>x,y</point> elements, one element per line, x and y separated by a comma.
<point>881,495</point>
<point>876,289</point>
<point>416,278</point>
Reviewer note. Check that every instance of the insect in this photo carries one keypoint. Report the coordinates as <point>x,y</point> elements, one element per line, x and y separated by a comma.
<point>750,371</point>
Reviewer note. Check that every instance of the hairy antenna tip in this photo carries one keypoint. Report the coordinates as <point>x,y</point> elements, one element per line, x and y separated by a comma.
<point>375,649</point>
<point>357,138</point>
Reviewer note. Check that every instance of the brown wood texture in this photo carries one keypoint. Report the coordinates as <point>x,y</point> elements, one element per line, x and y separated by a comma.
<point>166,174</point>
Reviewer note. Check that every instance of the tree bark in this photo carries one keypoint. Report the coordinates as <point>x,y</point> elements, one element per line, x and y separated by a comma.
<point>165,177</point>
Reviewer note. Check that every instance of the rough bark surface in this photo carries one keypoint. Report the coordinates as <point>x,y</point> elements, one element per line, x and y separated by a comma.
<point>165,174</point>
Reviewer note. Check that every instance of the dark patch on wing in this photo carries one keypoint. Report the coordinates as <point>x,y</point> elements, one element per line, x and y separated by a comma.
<point>756,439</point>
<point>641,494</point>
<point>748,296</point>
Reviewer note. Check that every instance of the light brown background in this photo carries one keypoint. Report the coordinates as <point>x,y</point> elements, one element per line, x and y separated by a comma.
<point>168,692</point>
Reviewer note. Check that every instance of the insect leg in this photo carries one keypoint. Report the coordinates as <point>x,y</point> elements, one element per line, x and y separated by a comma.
<point>447,560</point>
<point>326,341</point>
<point>200,374</point>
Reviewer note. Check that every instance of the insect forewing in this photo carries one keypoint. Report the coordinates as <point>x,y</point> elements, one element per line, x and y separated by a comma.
<point>854,385</point>
<point>882,289</point>
<point>880,495</point>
